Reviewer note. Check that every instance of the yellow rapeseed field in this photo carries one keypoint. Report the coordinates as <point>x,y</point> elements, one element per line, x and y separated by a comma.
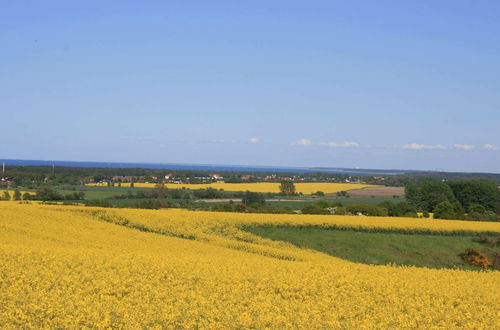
<point>76,267</point>
<point>261,187</point>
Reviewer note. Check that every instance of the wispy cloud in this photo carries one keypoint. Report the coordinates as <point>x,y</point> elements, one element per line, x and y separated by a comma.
<point>464,146</point>
<point>302,142</point>
<point>417,146</point>
<point>254,140</point>
<point>341,145</point>
<point>490,147</point>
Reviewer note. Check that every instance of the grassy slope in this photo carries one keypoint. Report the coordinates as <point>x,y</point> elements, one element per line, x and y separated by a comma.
<point>379,248</point>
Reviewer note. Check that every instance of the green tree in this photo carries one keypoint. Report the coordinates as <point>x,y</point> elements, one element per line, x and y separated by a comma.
<point>482,192</point>
<point>6,195</point>
<point>253,199</point>
<point>314,209</point>
<point>47,193</point>
<point>444,210</point>
<point>364,209</point>
<point>427,195</point>
<point>287,188</point>
<point>160,191</point>
<point>475,208</point>
<point>404,209</point>
<point>401,209</point>
<point>17,195</point>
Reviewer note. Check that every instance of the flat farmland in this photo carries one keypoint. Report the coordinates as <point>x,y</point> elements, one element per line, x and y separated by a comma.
<point>378,191</point>
<point>261,187</point>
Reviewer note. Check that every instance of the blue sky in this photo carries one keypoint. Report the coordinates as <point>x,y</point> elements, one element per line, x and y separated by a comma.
<point>371,84</point>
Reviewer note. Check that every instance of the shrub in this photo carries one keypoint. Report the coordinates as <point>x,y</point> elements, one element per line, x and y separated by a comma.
<point>17,195</point>
<point>476,258</point>
<point>27,196</point>
<point>6,195</point>
<point>477,208</point>
<point>367,210</point>
<point>253,199</point>
<point>314,209</point>
<point>444,210</point>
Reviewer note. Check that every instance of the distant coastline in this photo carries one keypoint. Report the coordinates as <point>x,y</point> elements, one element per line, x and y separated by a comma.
<point>203,167</point>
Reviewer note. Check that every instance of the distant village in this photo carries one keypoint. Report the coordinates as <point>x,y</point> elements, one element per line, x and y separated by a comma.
<point>215,177</point>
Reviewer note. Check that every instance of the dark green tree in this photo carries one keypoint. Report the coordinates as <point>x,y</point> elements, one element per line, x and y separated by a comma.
<point>287,188</point>
<point>364,209</point>
<point>17,195</point>
<point>253,199</point>
<point>482,192</point>
<point>401,209</point>
<point>444,210</point>
<point>427,195</point>
<point>475,208</point>
<point>27,196</point>
<point>160,191</point>
<point>6,195</point>
<point>47,193</point>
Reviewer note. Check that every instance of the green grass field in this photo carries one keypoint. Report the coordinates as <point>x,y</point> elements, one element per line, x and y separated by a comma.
<point>93,193</point>
<point>433,251</point>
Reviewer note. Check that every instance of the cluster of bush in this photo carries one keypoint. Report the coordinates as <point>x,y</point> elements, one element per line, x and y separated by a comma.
<point>160,191</point>
<point>387,208</point>
<point>476,258</point>
<point>251,202</point>
<point>143,204</point>
<point>468,199</point>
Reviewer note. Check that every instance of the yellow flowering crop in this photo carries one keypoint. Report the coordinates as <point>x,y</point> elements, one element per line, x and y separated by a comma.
<point>76,267</point>
<point>262,187</point>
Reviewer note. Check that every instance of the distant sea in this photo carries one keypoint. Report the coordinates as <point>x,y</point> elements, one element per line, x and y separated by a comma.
<point>202,167</point>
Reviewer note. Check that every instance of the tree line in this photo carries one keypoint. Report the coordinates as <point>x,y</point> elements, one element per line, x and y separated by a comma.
<point>461,199</point>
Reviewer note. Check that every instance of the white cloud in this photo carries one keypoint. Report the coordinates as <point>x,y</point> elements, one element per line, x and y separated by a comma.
<point>341,145</point>
<point>254,140</point>
<point>490,147</point>
<point>464,146</point>
<point>303,142</point>
<point>417,146</point>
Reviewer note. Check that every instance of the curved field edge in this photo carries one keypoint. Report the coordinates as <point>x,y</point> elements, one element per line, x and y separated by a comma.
<point>65,268</point>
